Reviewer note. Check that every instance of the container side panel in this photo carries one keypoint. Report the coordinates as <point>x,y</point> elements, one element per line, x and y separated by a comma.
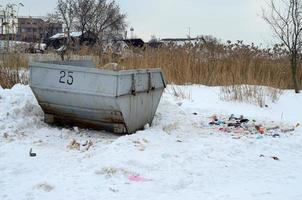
<point>142,82</point>
<point>158,80</point>
<point>66,98</point>
<point>70,80</point>
<point>139,110</point>
<point>106,116</point>
<point>125,84</point>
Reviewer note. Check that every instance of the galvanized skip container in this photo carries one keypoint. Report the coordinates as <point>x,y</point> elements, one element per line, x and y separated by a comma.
<point>77,92</point>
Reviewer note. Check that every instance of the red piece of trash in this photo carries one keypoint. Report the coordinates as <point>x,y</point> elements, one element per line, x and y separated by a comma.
<point>261,130</point>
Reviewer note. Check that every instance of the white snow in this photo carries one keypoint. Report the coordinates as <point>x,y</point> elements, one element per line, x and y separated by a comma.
<point>179,157</point>
<point>57,36</point>
<point>63,35</point>
<point>75,34</point>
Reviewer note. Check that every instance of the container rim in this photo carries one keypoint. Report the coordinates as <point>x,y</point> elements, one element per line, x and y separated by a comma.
<point>41,64</point>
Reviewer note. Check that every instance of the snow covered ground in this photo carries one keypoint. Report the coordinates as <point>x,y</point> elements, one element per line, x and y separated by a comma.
<point>179,157</point>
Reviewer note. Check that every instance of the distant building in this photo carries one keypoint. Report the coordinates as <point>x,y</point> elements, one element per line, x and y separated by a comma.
<point>180,41</point>
<point>136,42</point>
<point>28,29</point>
<point>33,29</point>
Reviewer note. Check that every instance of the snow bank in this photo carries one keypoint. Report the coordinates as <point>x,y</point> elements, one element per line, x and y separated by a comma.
<point>19,109</point>
<point>179,157</point>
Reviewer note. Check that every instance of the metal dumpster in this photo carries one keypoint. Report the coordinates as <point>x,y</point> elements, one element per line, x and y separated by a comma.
<point>77,92</point>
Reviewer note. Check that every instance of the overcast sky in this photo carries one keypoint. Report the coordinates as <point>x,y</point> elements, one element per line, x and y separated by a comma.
<point>224,19</point>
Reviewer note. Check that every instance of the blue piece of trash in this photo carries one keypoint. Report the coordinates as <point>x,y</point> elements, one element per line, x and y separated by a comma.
<point>276,135</point>
<point>219,122</point>
<point>259,137</point>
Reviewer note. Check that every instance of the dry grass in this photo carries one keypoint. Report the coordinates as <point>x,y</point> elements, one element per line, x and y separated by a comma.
<point>211,64</point>
<point>216,65</point>
<point>12,69</point>
<point>13,66</point>
<point>238,67</point>
<point>54,56</point>
<point>208,63</point>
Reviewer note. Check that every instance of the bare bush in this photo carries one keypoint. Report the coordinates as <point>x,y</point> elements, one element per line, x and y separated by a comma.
<point>254,94</point>
<point>180,92</point>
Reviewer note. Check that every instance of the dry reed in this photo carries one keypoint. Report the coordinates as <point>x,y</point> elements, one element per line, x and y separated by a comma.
<point>217,65</point>
<point>208,63</point>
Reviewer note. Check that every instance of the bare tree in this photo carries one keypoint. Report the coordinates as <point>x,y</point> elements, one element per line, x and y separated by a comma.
<point>108,21</point>
<point>102,18</point>
<point>51,20</point>
<point>285,19</point>
<point>65,9</point>
<point>84,13</point>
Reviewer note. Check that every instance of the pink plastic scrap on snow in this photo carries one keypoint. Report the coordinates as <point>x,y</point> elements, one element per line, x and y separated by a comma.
<point>136,178</point>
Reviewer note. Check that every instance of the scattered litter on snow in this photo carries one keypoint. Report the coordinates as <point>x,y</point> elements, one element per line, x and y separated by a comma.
<point>74,145</point>
<point>113,190</point>
<point>141,144</point>
<point>109,172</point>
<point>180,153</point>
<point>44,186</point>
<point>243,126</point>
<point>87,144</point>
<point>273,157</point>
<point>5,135</point>
<point>31,154</point>
<point>170,127</point>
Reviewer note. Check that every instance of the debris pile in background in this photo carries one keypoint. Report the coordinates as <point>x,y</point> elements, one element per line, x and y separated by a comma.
<point>242,125</point>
